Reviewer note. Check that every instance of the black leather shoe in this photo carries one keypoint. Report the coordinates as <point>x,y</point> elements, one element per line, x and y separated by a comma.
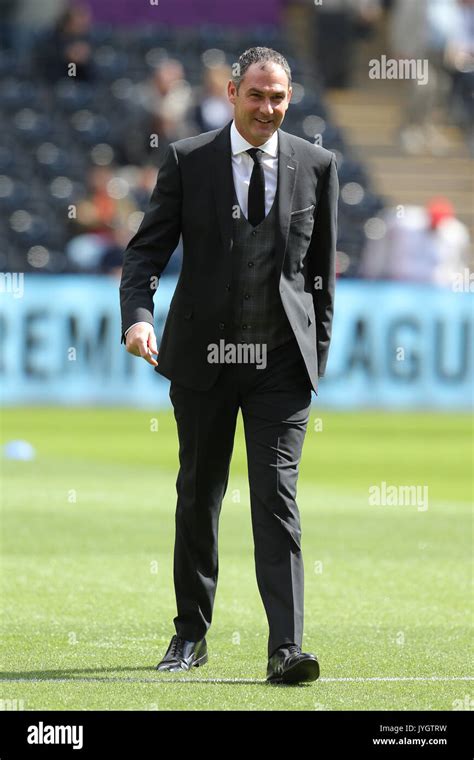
<point>183,655</point>
<point>288,664</point>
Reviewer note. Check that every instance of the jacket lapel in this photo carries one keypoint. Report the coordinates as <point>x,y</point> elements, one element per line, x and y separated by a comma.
<point>223,184</point>
<point>287,171</point>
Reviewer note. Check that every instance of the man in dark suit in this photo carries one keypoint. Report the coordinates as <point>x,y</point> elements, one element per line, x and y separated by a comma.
<point>249,327</point>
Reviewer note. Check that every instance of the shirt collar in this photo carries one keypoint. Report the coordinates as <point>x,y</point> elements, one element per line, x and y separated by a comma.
<point>239,144</point>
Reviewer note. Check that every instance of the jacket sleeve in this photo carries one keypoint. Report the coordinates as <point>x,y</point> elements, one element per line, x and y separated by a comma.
<point>323,261</point>
<point>150,249</point>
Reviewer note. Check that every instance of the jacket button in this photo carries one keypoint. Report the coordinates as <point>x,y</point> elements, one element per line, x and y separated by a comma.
<point>227,286</point>
<point>250,264</point>
<point>254,232</point>
<point>221,325</point>
<point>247,295</point>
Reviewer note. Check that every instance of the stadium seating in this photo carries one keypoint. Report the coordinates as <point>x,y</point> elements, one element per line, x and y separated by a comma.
<point>51,130</point>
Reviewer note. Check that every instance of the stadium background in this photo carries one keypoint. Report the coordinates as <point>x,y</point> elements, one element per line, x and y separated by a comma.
<point>89,443</point>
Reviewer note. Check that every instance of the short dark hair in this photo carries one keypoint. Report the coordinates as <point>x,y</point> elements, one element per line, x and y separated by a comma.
<point>258,55</point>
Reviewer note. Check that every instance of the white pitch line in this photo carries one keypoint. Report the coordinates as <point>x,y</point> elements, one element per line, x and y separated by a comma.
<point>403,678</point>
<point>383,679</point>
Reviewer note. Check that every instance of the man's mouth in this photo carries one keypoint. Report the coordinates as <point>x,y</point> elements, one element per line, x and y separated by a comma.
<point>262,121</point>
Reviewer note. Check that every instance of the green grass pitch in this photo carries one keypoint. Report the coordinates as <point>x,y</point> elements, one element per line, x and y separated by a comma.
<point>87,546</point>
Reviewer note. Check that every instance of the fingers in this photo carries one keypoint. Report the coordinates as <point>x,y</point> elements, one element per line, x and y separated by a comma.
<point>141,341</point>
<point>152,343</point>
<point>146,353</point>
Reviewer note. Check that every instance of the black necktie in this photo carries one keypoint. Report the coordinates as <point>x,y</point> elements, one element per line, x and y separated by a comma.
<point>256,198</point>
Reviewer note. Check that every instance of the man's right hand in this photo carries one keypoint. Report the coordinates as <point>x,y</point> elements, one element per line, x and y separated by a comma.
<point>140,340</point>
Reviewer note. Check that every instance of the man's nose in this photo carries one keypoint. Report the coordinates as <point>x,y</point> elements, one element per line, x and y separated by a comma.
<point>266,108</point>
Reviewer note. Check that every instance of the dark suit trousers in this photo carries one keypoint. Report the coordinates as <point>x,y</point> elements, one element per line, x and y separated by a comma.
<point>275,404</point>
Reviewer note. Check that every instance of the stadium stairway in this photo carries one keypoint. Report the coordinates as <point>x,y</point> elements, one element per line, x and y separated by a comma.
<point>370,115</point>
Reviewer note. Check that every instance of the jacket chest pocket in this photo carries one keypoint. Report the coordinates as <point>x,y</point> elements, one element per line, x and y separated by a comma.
<point>302,213</point>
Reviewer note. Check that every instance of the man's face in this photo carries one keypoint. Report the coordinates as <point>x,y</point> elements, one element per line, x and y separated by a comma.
<point>261,102</point>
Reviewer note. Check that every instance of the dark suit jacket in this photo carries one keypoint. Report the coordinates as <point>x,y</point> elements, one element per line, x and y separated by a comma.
<point>193,197</point>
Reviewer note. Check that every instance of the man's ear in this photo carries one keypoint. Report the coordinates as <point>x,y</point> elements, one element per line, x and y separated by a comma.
<point>231,91</point>
<point>290,93</point>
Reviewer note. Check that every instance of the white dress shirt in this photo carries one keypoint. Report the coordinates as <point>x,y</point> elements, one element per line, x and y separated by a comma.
<point>242,167</point>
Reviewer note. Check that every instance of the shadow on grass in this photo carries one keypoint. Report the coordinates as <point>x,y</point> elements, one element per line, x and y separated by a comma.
<point>80,675</point>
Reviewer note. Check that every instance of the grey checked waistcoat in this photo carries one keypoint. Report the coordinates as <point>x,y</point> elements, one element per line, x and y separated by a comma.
<point>258,315</point>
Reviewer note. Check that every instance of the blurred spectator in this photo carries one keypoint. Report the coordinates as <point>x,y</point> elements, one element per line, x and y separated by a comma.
<point>108,216</point>
<point>459,62</point>
<point>425,245</point>
<point>213,109</point>
<point>442,32</point>
<point>298,18</point>
<point>111,262</point>
<point>68,43</point>
<point>103,217</point>
<point>338,25</point>
<point>7,27</point>
<point>142,181</point>
<point>107,202</point>
<point>22,19</point>
<point>166,99</point>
